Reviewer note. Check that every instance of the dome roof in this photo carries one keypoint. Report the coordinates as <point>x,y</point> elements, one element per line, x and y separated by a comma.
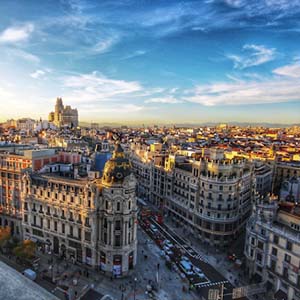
<point>116,168</point>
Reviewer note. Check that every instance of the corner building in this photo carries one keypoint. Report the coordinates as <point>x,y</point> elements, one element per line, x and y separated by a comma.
<point>88,221</point>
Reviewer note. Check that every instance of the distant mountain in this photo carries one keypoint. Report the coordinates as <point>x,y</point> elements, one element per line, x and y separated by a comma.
<point>241,124</point>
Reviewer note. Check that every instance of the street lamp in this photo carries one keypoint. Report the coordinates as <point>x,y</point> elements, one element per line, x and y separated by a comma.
<point>135,280</point>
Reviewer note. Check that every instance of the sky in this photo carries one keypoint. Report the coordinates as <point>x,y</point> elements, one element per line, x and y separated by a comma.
<point>148,61</point>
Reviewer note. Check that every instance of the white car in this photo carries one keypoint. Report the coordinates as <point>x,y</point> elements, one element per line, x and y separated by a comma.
<point>199,272</point>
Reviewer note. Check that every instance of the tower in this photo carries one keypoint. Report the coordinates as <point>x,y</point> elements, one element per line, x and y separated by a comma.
<point>118,229</point>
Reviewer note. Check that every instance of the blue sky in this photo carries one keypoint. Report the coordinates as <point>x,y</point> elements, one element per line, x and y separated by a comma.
<point>152,61</point>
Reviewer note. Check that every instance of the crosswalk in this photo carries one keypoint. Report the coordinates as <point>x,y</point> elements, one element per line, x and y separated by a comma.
<point>199,256</point>
<point>208,284</point>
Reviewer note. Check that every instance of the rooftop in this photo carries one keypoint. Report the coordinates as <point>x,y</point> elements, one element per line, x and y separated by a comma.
<point>15,286</point>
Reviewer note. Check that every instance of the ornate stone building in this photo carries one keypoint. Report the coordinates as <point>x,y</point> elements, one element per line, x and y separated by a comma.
<point>272,247</point>
<point>63,115</point>
<point>90,221</point>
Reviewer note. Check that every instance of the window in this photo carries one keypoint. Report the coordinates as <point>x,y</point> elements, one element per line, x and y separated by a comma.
<point>289,246</point>
<point>55,226</point>
<point>129,205</point>
<point>259,257</point>
<point>71,230</point>
<point>87,221</point>
<point>63,228</point>
<point>274,251</point>
<point>287,258</point>
<point>275,239</point>
<point>273,265</point>
<point>87,236</point>
<point>48,224</point>
<point>260,245</point>
<point>118,225</point>
<point>117,240</point>
<point>25,218</point>
<point>285,272</point>
<point>118,206</point>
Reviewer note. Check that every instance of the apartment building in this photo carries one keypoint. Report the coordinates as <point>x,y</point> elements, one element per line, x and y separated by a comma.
<point>272,247</point>
<point>88,221</point>
<point>285,170</point>
<point>211,195</point>
<point>263,174</point>
<point>13,164</point>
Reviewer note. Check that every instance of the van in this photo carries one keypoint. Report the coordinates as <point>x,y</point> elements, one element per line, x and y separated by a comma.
<point>30,274</point>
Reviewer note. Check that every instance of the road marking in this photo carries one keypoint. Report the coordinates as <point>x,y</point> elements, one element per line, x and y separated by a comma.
<point>210,284</point>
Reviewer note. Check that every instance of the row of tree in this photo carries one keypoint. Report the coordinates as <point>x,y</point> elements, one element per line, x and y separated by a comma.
<point>24,250</point>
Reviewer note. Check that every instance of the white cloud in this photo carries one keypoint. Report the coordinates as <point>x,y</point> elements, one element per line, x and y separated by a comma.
<point>16,34</point>
<point>245,92</point>
<point>23,55</point>
<point>37,74</point>
<point>166,100</point>
<point>135,54</point>
<point>105,44</point>
<point>256,55</point>
<point>292,70</point>
<point>96,87</point>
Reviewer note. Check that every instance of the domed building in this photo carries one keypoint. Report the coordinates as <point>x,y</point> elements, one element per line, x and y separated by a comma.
<point>88,221</point>
<point>118,230</point>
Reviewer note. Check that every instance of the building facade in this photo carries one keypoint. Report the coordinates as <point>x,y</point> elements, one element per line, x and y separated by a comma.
<point>63,116</point>
<point>13,164</point>
<point>88,221</point>
<point>272,247</point>
<point>211,196</point>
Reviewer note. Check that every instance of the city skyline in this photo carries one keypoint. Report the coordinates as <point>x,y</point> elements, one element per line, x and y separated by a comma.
<point>139,62</point>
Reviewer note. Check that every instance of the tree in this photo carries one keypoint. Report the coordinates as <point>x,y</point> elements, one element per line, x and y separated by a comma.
<point>5,236</point>
<point>25,250</point>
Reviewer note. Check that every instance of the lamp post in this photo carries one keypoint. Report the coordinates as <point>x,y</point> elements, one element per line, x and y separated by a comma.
<point>135,280</point>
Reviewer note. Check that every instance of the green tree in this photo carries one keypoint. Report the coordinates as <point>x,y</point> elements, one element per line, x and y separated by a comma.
<point>5,236</point>
<point>25,250</point>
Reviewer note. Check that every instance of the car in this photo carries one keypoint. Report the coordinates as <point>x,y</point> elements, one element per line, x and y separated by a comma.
<point>185,258</point>
<point>199,272</point>
<point>168,243</point>
<point>153,228</point>
<point>186,267</point>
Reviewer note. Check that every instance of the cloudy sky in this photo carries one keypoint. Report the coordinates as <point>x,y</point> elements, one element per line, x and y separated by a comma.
<point>152,61</point>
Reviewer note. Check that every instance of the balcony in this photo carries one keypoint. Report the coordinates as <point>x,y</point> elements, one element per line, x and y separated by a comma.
<point>71,236</point>
<point>36,226</point>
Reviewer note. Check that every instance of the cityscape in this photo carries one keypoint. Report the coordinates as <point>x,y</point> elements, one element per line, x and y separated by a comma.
<point>149,150</point>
